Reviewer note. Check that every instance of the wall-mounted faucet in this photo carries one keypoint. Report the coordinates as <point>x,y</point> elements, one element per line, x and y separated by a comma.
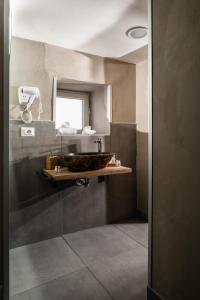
<point>99,144</point>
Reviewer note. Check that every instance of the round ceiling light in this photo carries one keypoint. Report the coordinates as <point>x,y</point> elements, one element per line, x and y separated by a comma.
<point>137,32</point>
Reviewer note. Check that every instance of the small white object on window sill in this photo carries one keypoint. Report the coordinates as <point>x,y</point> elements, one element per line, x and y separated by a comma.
<point>65,129</point>
<point>88,130</point>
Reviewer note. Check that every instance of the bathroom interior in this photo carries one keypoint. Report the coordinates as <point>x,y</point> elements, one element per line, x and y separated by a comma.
<point>79,149</point>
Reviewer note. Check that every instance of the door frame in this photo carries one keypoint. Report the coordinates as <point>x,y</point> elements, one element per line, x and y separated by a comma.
<point>150,142</point>
<point>4,149</point>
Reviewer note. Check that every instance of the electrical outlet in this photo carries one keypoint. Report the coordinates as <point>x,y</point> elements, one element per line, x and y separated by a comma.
<point>27,131</point>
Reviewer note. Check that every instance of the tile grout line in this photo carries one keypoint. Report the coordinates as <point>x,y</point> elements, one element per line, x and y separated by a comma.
<point>122,231</point>
<point>92,273</point>
<point>49,281</point>
<point>101,284</point>
<point>74,251</point>
<point>140,244</point>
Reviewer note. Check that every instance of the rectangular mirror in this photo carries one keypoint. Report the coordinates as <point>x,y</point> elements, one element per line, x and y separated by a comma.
<point>81,108</point>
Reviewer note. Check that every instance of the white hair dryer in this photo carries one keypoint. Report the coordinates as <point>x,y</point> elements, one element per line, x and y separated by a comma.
<point>27,95</point>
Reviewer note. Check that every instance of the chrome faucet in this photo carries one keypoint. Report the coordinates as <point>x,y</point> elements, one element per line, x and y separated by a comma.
<point>99,144</point>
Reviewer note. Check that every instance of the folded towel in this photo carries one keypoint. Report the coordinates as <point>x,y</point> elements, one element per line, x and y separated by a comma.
<point>66,131</point>
<point>88,130</point>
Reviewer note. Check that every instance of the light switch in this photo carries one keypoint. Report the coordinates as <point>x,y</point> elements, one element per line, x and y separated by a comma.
<point>27,131</point>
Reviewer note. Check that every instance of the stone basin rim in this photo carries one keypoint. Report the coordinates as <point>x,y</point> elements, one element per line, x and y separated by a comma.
<point>92,154</point>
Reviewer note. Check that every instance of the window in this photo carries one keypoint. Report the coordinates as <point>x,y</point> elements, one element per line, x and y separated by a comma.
<point>71,108</point>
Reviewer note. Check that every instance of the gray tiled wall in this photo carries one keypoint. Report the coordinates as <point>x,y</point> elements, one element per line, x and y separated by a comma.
<point>40,210</point>
<point>121,189</point>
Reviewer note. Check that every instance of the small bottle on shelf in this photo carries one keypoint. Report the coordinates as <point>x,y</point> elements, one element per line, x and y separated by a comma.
<point>51,161</point>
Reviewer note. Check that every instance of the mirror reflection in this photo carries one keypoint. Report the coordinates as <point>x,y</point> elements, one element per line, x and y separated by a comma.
<point>81,108</point>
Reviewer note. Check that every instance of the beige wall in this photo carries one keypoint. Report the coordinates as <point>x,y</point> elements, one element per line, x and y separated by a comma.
<point>142,135</point>
<point>35,64</point>
<point>27,67</point>
<point>122,77</point>
<point>176,149</point>
<point>100,120</point>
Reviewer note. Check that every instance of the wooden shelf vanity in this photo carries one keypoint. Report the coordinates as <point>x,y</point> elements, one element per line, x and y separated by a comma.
<point>65,174</point>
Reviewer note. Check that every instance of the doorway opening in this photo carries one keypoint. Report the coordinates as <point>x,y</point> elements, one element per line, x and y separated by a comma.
<point>67,239</point>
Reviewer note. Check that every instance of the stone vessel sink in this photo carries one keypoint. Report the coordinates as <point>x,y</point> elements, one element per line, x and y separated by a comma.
<point>86,161</point>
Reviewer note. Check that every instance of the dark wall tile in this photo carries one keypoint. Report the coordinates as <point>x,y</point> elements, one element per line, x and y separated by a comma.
<point>39,209</point>
<point>84,207</point>
<point>28,184</point>
<point>121,189</point>
<point>142,172</point>
<point>37,222</point>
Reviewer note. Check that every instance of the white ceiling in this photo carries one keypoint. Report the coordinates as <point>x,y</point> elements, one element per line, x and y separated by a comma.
<point>93,26</point>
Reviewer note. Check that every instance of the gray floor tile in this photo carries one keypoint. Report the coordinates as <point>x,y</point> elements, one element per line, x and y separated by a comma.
<point>138,232</point>
<point>80,285</point>
<point>39,263</point>
<point>23,296</point>
<point>99,243</point>
<point>124,275</point>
